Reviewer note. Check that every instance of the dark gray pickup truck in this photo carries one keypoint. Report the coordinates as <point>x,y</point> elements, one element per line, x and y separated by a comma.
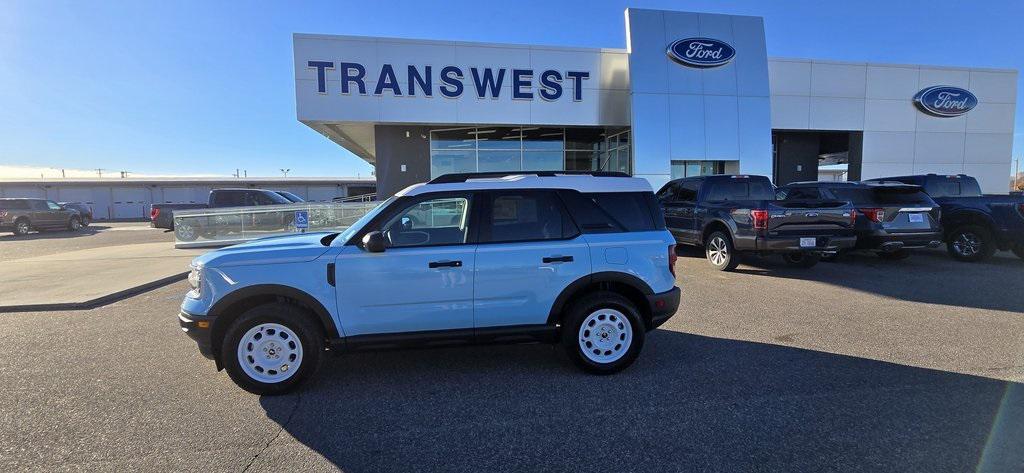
<point>731,215</point>
<point>162,215</point>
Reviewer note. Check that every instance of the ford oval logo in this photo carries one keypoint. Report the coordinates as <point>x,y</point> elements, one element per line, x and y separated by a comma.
<point>701,52</point>
<point>945,101</point>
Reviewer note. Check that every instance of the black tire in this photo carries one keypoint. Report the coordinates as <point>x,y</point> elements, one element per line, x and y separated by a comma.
<point>22,226</point>
<point>800,259</point>
<point>74,224</point>
<point>86,220</point>
<point>186,232</point>
<point>607,306</point>
<point>970,243</point>
<point>720,252</point>
<point>310,342</point>
<point>1019,251</point>
<point>894,255</point>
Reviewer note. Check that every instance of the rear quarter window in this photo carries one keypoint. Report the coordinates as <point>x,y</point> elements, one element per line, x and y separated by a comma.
<point>607,212</point>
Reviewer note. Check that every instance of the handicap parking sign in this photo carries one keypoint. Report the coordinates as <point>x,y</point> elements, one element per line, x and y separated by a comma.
<point>301,219</point>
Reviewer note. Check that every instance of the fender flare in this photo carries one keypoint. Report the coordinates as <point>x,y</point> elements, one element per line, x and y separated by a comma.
<point>968,216</point>
<point>265,290</point>
<point>605,276</point>
<point>728,227</point>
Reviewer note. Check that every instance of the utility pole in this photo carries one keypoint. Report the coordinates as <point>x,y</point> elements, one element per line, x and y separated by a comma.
<point>99,172</point>
<point>1016,175</point>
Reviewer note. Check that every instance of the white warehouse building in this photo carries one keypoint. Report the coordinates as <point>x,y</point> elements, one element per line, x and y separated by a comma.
<point>690,94</point>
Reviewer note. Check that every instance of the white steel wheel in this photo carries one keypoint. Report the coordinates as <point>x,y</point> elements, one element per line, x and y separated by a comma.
<point>270,353</point>
<point>605,336</point>
<point>718,250</point>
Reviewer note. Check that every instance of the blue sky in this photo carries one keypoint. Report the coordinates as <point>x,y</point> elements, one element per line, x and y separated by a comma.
<point>207,87</point>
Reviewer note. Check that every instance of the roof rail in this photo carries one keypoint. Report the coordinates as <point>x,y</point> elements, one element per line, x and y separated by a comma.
<point>463,177</point>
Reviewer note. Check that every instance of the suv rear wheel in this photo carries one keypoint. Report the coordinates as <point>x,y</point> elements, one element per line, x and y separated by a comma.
<point>603,333</point>
<point>720,252</point>
<point>970,243</point>
<point>74,224</point>
<point>271,348</point>
<point>22,226</point>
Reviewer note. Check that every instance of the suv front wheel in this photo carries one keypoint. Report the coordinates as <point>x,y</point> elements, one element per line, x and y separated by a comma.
<point>603,333</point>
<point>271,348</point>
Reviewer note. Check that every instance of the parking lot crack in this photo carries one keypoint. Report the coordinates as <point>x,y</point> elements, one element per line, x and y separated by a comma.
<point>284,425</point>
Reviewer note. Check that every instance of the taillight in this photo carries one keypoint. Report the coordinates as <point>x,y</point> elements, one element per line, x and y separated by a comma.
<point>154,213</point>
<point>875,215</point>
<point>672,259</point>
<point>760,218</point>
<point>853,217</point>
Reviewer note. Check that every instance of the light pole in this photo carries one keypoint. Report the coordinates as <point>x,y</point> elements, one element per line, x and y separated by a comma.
<point>285,172</point>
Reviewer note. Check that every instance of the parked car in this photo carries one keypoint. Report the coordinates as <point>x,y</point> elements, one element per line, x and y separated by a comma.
<point>731,215</point>
<point>290,197</point>
<point>84,210</point>
<point>892,218</point>
<point>975,224</point>
<point>162,215</point>
<point>21,216</point>
<point>583,260</point>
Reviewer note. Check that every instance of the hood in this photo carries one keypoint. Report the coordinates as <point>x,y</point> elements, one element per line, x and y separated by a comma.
<point>271,250</point>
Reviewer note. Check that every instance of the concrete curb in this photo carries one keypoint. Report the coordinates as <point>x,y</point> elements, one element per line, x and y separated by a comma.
<point>99,301</point>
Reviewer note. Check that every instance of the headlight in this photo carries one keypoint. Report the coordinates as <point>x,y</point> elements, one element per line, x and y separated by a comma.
<point>195,281</point>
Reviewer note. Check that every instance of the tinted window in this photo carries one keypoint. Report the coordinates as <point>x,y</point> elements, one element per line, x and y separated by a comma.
<point>38,205</point>
<point>737,189</point>
<point>229,198</point>
<point>612,211</point>
<point>796,193</point>
<point>14,204</point>
<point>887,196</point>
<point>440,221</point>
<point>525,216</point>
<point>268,198</point>
<point>687,191</point>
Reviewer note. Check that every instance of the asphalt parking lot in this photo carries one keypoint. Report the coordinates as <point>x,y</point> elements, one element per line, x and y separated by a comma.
<point>96,235</point>
<point>861,365</point>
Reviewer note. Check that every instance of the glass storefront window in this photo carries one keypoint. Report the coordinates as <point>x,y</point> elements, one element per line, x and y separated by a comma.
<point>698,168</point>
<point>499,160</point>
<point>542,160</point>
<point>529,148</point>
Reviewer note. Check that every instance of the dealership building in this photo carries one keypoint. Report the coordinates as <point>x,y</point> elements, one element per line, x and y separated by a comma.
<point>690,94</point>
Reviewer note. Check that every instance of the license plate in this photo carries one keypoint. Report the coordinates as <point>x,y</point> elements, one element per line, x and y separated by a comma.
<point>808,242</point>
<point>916,218</point>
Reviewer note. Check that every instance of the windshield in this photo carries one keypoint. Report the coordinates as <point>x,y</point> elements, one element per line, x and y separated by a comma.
<point>358,224</point>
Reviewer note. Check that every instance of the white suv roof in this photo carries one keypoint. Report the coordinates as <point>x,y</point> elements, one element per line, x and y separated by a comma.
<point>581,181</point>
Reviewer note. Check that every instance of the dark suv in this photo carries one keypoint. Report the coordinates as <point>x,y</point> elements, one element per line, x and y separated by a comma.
<point>24,215</point>
<point>892,218</point>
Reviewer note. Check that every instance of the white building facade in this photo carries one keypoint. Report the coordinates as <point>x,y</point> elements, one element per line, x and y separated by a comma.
<point>692,93</point>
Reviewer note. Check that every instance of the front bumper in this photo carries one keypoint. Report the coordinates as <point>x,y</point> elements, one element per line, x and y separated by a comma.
<point>885,241</point>
<point>198,328</point>
<point>663,306</point>
<point>823,244</point>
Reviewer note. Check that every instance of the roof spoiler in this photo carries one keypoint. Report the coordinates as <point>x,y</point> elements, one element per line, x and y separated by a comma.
<point>465,176</point>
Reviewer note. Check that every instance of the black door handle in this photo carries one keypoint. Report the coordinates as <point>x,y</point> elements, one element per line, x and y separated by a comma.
<point>445,264</point>
<point>557,259</point>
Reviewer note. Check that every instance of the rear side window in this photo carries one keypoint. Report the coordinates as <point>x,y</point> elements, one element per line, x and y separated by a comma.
<point>14,204</point>
<point>229,198</point>
<point>38,205</point>
<point>607,212</point>
<point>741,189</point>
<point>525,216</point>
<point>944,188</point>
<point>797,193</point>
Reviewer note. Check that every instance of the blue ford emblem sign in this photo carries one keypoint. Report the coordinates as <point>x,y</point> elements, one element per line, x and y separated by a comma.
<point>945,101</point>
<point>701,52</point>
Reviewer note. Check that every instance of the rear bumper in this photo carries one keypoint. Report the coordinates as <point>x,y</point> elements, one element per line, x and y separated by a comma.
<point>885,241</point>
<point>198,328</point>
<point>663,306</point>
<point>823,244</point>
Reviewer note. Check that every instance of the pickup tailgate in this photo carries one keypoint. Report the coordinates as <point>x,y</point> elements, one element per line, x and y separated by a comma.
<point>808,225</point>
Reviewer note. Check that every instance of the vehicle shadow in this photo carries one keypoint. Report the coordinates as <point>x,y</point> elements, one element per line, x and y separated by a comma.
<point>689,403</point>
<point>929,276</point>
<point>92,229</point>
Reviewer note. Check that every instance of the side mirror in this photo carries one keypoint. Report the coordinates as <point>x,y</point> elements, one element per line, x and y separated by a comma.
<point>374,242</point>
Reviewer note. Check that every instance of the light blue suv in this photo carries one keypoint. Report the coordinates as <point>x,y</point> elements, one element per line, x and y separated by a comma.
<point>583,259</point>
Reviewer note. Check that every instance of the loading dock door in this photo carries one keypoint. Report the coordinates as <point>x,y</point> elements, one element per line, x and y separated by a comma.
<point>131,202</point>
